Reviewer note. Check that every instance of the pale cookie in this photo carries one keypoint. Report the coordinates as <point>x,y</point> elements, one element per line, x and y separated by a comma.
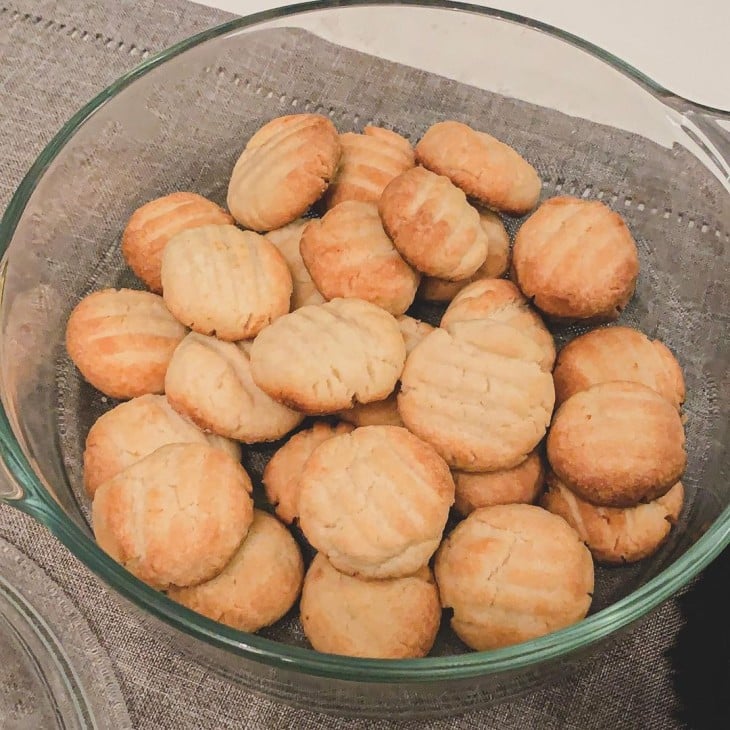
<point>259,584</point>
<point>210,382</point>
<point>576,259</point>
<point>432,225</point>
<point>477,393</point>
<point>368,163</point>
<point>413,331</point>
<point>378,619</point>
<point>284,169</point>
<point>348,254</point>
<point>121,340</point>
<point>324,358</point>
<point>219,280</point>
<point>133,430</point>
<point>618,353</point>
<point>616,535</point>
<point>283,472</point>
<point>378,413</point>
<point>511,573</point>
<point>482,166</point>
<point>155,223</point>
<point>375,501</point>
<point>616,444</point>
<point>520,484</point>
<point>287,240</point>
<point>176,517</point>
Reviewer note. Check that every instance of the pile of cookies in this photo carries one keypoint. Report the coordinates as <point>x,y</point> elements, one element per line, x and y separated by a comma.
<point>259,323</point>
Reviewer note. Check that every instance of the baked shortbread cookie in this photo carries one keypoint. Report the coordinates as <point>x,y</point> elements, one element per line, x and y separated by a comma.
<point>618,353</point>
<point>576,259</point>
<point>257,586</point>
<point>327,357</point>
<point>219,280</point>
<point>616,444</point>
<point>511,573</point>
<point>151,226</point>
<point>121,340</point>
<point>413,331</point>
<point>614,534</point>
<point>348,254</point>
<point>133,430</point>
<point>285,168</point>
<point>176,517</point>
<point>209,382</point>
<point>482,166</point>
<point>368,163</point>
<point>432,225</point>
<point>396,618</point>
<point>375,501</point>
<point>377,413</point>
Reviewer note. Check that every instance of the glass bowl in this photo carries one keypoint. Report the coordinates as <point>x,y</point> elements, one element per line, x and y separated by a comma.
<point>591,124</point>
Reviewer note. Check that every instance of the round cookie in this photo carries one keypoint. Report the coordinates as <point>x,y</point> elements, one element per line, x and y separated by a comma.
<point>482,166</point>
<point>258,585</point>
<point>284,169</point>
<point>379,619</point>
<point>575,259</point>
<point>378,413</point>
<point>617,353</point>
<point>616,444</point>
<point>368,163</point>
<point>176,517</point>
<point>210,382</point>
<point>616,535</point>
<point>512,573</point>
<point>152,225</point>
<point>219,280</point>
<point>325,358</point>
<point>121,340</point>
<point>375,501</point>
<point>133,430</point>
<point>348,254</point>
<point>413,331</point>
<point>432,225</point>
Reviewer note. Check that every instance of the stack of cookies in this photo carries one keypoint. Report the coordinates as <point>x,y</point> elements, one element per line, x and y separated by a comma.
<point>260,323</point>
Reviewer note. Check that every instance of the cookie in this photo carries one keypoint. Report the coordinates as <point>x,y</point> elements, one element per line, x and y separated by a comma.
<point>375,501</point>
<point>432,225</point>
<point>520,484</point>
<point>483,167</point>
<point>327,357</point>
<point>257,586</point>
<point>209,382</point>
<point>121,340</point>
<point>618,353</point>
<point>176,517</point>
<point>151,226</point>
<point>348,254</point>
<point>616,535</point>
<point>219,280</point>
<point>413,331</point>
<point>511,573</point>
<point>478,394</point>
<point>368,163</point>
<point>378,619</point>
<point>284,469</point>
<point>378,413</point>
<point>616,444</point>
<point>575,259</point>
<point>285,168</point>
<point>133,430</point>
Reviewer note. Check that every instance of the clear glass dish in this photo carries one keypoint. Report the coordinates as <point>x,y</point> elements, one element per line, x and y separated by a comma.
<point>593,126</point>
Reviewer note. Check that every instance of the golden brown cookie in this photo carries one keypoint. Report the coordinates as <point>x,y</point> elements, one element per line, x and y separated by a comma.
<point>375,501</point>
<point>155,223</point>
<point>616,444</point>
<point>413,331</point>
<point>380,619</point>
<point>286,167</point>
<point>512,573</point>
<point>576,259</point>
<point>121,340</point>
<point>377,413</point>
<point>482,166</point>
